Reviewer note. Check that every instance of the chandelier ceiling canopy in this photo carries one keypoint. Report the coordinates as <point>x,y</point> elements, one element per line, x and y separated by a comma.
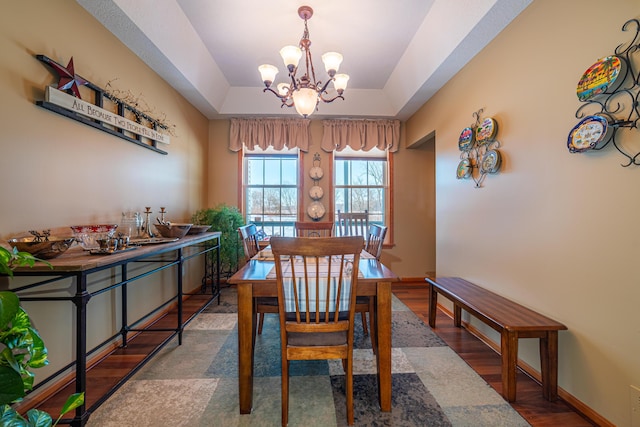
<point>305,92</point>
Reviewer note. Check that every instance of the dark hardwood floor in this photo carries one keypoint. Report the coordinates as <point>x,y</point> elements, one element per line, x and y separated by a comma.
<point>482,358</point>
<point>486,362</point>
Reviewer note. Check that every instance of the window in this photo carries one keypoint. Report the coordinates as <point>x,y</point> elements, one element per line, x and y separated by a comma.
<point>270,183</point>
<point>361,183</point>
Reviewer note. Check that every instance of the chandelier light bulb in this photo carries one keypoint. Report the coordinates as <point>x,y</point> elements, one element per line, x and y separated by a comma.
<point>291,56</point>
<point>340,82</point>
<point>268,73</point>
<point>305,101</point>
<point>332,61</point>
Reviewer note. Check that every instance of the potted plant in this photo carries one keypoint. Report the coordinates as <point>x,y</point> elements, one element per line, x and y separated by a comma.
<point>226,219</point>
<point>21,349</point>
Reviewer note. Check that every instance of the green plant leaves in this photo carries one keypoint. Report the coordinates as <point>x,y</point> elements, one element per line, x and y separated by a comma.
<point>10,418</point>
<point>12,387</point>
<point>226,219</point>
<point>74,401</point>
<point>38,418</point>
<point>9,304</point>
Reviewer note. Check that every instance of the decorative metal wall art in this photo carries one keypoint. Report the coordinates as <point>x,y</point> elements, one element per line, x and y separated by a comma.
<point>610,93</point>
<point>479,146</point>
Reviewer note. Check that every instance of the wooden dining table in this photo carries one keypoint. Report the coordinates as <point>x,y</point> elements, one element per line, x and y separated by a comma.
<point>254,280</point>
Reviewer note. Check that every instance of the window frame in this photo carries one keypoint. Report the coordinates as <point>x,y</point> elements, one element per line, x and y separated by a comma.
<point>244,186</point>
<point>388,189</point>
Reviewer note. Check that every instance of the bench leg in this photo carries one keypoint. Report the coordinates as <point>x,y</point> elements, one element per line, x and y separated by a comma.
<point>549,365</point>
<point>457,315</point>
<point>433,305</point>
<point>509,346</point>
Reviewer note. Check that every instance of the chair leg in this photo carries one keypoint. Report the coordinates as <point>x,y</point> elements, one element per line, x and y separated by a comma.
<point>364,323</point>
<point>349,389</point>
<point>285,393</point>
<point>260,322</point>
<point>373,325</point>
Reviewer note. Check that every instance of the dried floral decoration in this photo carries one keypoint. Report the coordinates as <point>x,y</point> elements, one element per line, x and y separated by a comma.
<point>139,107</point>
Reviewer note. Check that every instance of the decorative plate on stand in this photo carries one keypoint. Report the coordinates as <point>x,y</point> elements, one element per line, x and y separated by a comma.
<point>490,162</point>
<point>599,77</point>
<point>466,140</point>
<point>464,169</point>
<point>486,131</point>
<point>587,134</point>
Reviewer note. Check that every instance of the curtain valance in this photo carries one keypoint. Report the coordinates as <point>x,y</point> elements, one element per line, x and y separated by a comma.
<point>276,133</point>
<point>361,135</point>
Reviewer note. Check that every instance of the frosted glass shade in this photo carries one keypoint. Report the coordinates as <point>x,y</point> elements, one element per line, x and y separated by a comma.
<point>291,56</point>
<point>332,61</point>
<point>268,73</point>
<point>305,101</point>
<point>340,82</point>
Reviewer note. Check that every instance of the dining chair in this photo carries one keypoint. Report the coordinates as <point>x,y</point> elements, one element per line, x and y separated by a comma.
<point>249,236</point>
<point>325,229</point>
<point>317,280</point>
<point>314,229</point>
<point>357,224</point>
<point>373,245</point>
<point>375,239</point>
<point>353,223</point>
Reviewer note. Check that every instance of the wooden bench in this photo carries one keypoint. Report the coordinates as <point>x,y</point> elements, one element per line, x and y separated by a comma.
<point>512,320</point>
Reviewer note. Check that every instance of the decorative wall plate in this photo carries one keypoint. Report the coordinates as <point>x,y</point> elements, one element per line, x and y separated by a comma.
<point>486,131</point>
<point>599,77</point>
<point>465,142</point>
<point>587,134</point>
<point>316,172</point>
<point>464,169</point>
<point>316,210</point>
<point>490,162</point>
<point>316,192</point>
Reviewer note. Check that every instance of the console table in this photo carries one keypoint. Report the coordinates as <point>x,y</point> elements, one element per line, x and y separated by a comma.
<point>80,265</point>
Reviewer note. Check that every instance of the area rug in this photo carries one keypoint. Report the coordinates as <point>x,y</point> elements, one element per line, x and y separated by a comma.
<point>196,383</point>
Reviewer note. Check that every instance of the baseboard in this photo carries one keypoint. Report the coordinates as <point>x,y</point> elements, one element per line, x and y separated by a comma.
<point>536,376</point>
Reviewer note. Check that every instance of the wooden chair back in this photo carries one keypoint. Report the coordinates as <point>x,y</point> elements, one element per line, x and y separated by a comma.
<point>317,280</point>
<point>249,236</point>
<point>314,229</point>
<point>375,239</point>
<point>353,223</point>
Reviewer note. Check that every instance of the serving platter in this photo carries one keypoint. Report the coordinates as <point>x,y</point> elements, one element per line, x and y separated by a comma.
<point>152,241</point>
<point>109,251</point>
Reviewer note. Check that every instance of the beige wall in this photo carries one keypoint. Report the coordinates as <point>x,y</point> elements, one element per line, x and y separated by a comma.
<point>413,253</point>
<point>56,172</point>
<point>555,231</point>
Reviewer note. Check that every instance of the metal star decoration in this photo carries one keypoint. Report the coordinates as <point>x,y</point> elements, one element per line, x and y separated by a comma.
<point>69,80</point>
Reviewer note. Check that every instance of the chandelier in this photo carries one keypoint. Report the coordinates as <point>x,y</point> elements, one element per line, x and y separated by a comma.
<point>305,92</point>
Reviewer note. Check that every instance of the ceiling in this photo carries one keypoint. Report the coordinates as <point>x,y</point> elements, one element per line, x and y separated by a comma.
<point>397,53</point>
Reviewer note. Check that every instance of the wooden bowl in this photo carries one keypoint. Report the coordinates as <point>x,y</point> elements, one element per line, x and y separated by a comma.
<point>45,250</point>
<point>173,230</point>
<point>198,229</point>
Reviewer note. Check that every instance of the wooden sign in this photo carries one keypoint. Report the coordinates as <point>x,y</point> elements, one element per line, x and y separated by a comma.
<point>77,105</point>
<point>66,101</point>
